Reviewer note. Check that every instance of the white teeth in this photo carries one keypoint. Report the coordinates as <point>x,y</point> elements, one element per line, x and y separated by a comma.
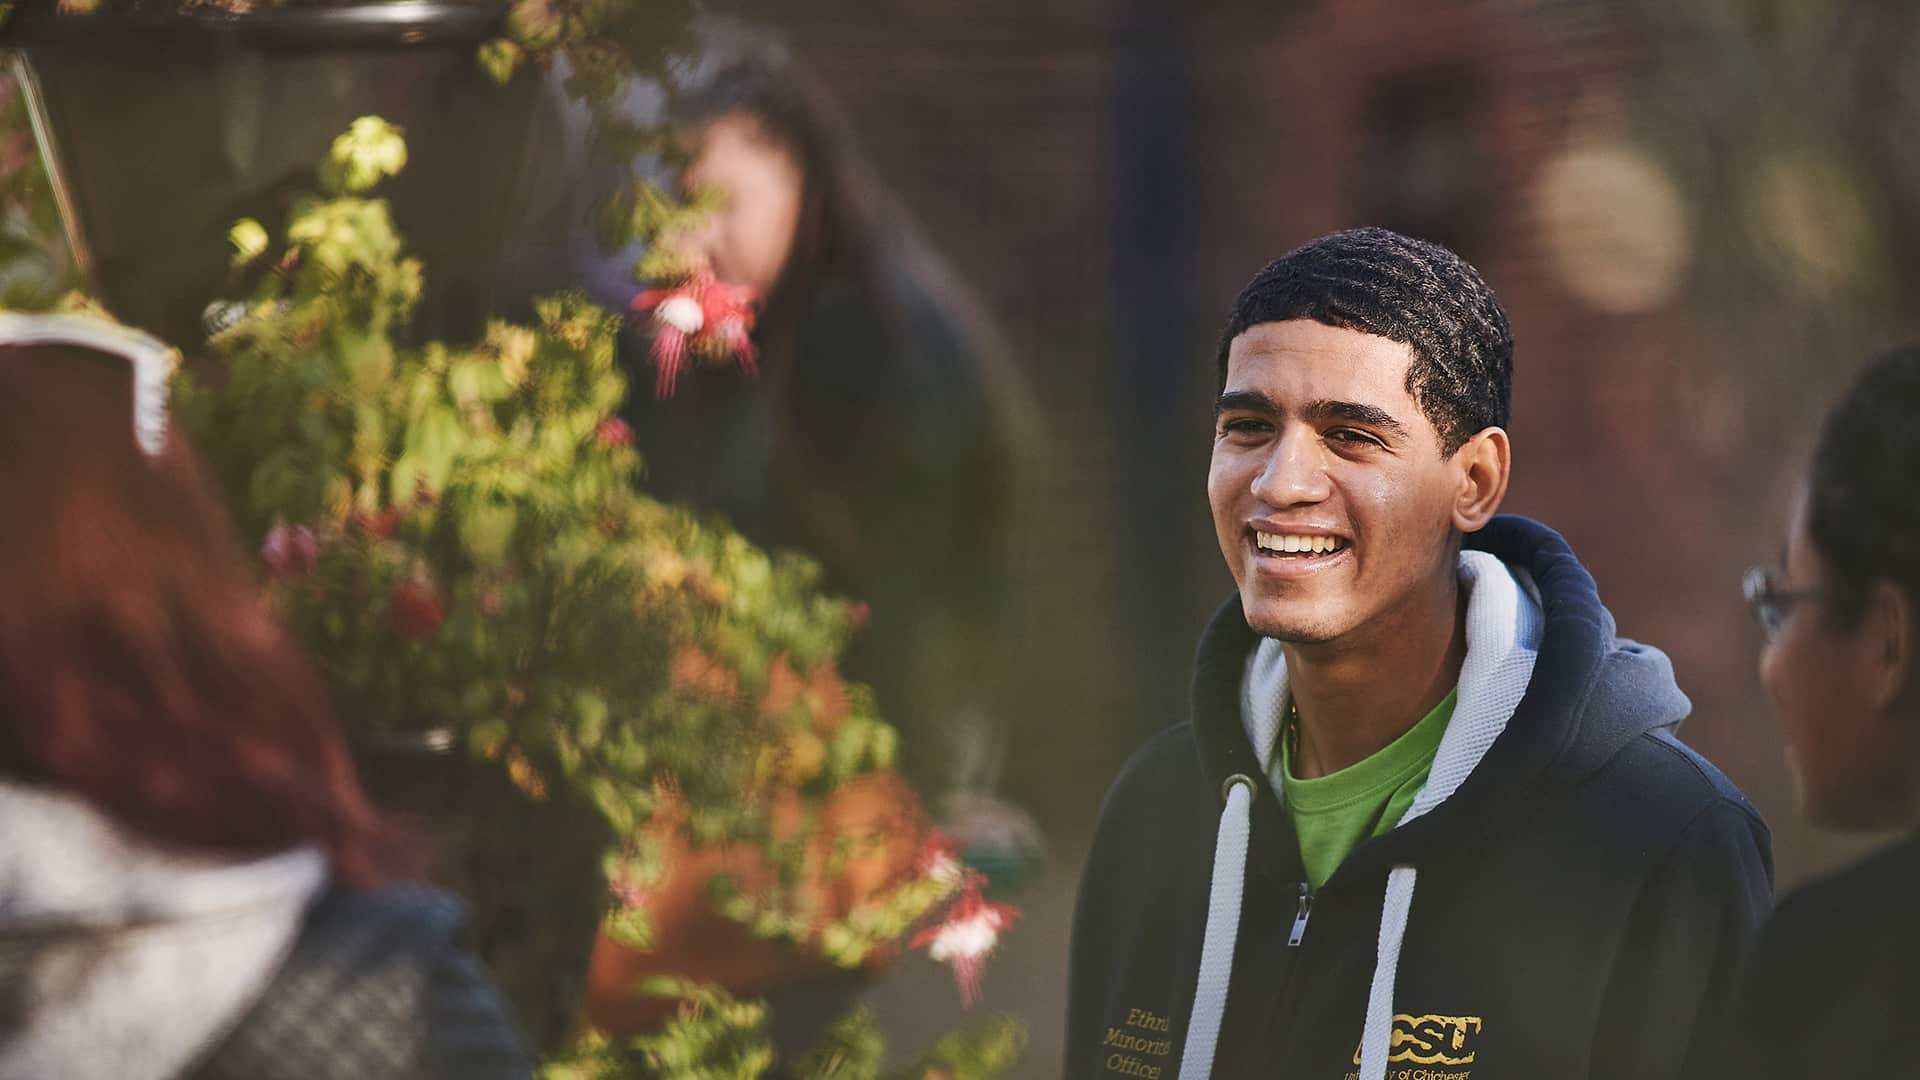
<point>1296,544</point>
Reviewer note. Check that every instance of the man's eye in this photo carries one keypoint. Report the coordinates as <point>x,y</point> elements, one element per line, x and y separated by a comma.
<point>1243,425</point>
<point>1352,437</point>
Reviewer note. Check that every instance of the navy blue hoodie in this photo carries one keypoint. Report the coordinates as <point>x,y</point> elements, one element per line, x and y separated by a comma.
<point>1584,895</point>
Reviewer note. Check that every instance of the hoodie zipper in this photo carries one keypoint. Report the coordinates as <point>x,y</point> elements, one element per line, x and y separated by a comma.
<point>1300,917</point>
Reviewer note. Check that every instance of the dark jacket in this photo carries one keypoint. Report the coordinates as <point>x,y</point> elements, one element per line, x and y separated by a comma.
<point>1583,898</point>
<point>377,988</point>
<point>1834,980</point>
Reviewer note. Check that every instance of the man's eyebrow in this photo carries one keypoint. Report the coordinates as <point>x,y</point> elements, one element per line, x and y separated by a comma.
<point>1245,401</point>
<point>1355,412</point>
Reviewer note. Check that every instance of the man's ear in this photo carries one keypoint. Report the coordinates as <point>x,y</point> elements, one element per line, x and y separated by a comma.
<point>1484,463</point>
<point>1887,644</point>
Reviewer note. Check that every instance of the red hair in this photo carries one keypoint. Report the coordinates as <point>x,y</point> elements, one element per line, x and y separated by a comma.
<point>139,666</point>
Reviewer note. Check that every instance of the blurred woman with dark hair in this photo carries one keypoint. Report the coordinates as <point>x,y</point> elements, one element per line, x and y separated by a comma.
<point>191,881</point>
<point>881,431</point>
<point>884,433</point>
<point>1835,978</point>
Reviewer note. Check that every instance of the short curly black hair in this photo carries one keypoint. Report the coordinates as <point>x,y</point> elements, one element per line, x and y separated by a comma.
<point>1420,294</point>
<point>1862,516</point>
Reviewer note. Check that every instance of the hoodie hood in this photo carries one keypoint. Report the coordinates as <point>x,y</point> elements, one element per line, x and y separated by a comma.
<point>1590,692</point>
<point>120,959</point>
<point>1594,691</point>
<point>1546,692</point>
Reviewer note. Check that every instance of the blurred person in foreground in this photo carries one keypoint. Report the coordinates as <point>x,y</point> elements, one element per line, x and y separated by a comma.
<point>1834,980</point>
<point>191,881</point>
<point>1429,817</point>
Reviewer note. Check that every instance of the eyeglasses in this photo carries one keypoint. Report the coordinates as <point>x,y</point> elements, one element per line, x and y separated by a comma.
<point>1771,601</point>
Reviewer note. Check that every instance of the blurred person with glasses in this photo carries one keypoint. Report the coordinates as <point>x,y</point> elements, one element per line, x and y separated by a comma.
<point>192,883</point>
<point>1835,974</point>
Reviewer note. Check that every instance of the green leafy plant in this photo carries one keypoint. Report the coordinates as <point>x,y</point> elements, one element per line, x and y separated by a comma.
<point>456,533</point>
<point>482,563</point>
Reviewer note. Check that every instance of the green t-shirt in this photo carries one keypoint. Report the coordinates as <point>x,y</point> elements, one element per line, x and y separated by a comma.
<point>1333,813</point>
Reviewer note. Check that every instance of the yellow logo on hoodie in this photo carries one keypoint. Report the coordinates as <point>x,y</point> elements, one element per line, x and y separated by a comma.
<point>1432,1039</point>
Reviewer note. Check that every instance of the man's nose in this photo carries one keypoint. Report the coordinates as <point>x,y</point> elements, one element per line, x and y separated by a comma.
<point>1294,473</point>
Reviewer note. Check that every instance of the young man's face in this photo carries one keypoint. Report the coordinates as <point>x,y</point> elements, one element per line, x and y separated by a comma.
<point>1319,446</point>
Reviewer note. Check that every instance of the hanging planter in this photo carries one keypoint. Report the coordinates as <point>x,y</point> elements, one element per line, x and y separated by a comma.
<point>162,128</point>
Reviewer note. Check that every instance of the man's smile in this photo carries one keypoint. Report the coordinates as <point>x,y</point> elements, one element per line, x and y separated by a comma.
<point>1291,550</point>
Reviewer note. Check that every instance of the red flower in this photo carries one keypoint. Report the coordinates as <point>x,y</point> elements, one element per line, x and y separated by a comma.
<point>613,432</point>
<point>704,315</point>
<point>415,611</point>
<point>968,936</point>
<point>290,551</point>
<point>859,613</point>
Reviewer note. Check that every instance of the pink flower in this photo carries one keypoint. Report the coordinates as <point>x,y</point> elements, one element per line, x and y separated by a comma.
<point>967,937</point>
<point>859,613</point>
<point>612,432</point>
<point>732,335</point>
<point>415,611</point>
<point>703,315</point>
<point>290,551</point>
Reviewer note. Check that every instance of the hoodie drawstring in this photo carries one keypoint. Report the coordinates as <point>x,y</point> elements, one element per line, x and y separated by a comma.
<point>1223,932</point>
<point>1376,1035</point>
<point>1223,928</point>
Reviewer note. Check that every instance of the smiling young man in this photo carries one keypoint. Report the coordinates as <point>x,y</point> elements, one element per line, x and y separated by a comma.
<point>1428,819</point>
